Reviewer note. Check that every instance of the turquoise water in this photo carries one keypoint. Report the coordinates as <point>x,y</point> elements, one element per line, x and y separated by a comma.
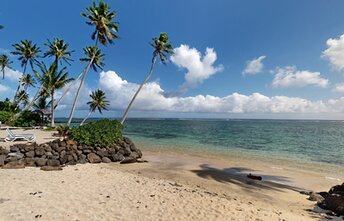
<point>292,140</point>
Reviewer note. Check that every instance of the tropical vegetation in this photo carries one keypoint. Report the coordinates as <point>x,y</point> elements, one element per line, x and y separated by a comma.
<point>98,101</point>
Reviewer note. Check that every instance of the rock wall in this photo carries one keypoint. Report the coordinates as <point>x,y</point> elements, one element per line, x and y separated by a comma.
<point>66,152</point>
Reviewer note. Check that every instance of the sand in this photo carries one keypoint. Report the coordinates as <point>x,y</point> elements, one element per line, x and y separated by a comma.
<point>170,187</point>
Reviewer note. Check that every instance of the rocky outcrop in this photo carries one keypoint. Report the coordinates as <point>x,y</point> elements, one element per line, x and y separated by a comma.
<point>333,200</point>
<point>52,155</point>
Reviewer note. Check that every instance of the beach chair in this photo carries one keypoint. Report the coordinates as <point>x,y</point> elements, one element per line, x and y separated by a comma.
<point>13,137</point>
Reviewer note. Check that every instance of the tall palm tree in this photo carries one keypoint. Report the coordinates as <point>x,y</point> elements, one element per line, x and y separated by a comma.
<point>51,80</point>
<point>58,49</point>
<point>26,82</point>
<point>101,17</point>
<point>22,97</point>
<point>28,54</point>
<point>162,48</point>
<point>98,101</point>
<point>94,57</point>
<point>4,63</point>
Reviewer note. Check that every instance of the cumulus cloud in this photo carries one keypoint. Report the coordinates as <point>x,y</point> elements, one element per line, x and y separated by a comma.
<point>289,76</point>
<point>12,75</point>
<point>339,88</point>
<point>152,98</point>
<point>199,68</point>
<point>254,66</point>
<point>335,52</point>
<point>4,88</point>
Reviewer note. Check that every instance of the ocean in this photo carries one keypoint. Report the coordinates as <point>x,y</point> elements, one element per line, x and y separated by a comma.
<point>304,143</point>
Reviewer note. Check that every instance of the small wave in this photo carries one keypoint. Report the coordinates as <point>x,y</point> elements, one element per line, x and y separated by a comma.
<point>332,178</point>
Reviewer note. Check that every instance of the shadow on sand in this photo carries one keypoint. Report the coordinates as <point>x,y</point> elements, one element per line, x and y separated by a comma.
<point>238,176</point>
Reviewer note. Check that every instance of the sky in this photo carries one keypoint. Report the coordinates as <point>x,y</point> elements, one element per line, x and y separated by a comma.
<point>232,58</point>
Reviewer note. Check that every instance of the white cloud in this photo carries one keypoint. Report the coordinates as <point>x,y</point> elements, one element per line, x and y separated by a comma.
<point>12,75</point>
<point>335,52</point>
<point>254,66</point>
<point>339,88</point>
<point>4,88</point>
<point>119,92</point>
<point>289,76</point>
<point>199,68</point>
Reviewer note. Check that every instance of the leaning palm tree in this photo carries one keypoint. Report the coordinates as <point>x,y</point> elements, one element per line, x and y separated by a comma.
<point>4,63</point>
<point>28,54</point>
<point>95,58</point>
<point>162,48</point>
<point>51,80</point>
<point>22,97</point>
<point>101,17</point>
<point>98,101</point>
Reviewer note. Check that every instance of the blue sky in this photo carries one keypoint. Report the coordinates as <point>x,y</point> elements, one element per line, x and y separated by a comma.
<point>295,78</point>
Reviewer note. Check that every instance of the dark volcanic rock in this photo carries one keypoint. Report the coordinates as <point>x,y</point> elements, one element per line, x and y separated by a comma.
<point>14,165</point>
<point>117,157</point>
<point>93,158</point>
<point>3,151</point>
<point>2,160</point>
<point>51,168</point>
<point>40,161</point>
<point>14,148</point>
<point>30,162</point>
<point>339,189</point>
<point>334,203</point>
<point>39,151</point>
<point>53,163</point>
<point>30,154</point>
<point>315,197</point>
<point>106,160</point>
<point>128,160</point>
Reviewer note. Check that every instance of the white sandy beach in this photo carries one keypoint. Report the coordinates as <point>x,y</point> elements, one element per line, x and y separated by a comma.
<point>169,187</point>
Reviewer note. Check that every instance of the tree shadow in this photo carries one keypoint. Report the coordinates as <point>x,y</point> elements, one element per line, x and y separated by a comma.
<point>238,176</point>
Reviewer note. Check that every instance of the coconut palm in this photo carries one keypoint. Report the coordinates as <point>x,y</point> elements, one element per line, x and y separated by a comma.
<point>59,50</point>
<point>28,54</point>
<point>22,97</point>
<point>4,63</point>
<point>101,17</point>
<point>26,81</point>
<point>162,48</point>
<point>42,103</point>
<point>94,57</point>
<point>51,80</point>
<point>98,101</point>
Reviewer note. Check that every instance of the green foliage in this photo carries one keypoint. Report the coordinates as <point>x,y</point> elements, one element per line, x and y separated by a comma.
<point>5,116</point>
<point>8,106</point>
<point>63,131</point>
<point>98,133</point>
<point>26,119</point>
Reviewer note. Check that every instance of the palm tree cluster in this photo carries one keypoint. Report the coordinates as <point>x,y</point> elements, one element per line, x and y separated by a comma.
<point>53,77</point>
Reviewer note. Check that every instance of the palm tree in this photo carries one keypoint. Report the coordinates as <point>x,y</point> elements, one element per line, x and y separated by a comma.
<point>28,54</point>
<point>98,101</point>
<point>26,81</point>
<point>51,80</point>
<point>94,57</point>
<point>162,48</point>
<point>101,17</point>
<point>42,103</point>
<point>23,97</point>
<point>4,63</point>
<point>58,49</point>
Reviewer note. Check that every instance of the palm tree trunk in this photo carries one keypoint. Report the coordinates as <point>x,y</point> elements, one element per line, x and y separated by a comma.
<point>88,115</point>
<point>52,124</point>
<point>68,89</point>
<point>78,92</point>
<point>19,81</point>
<point>34,99</point>
<point>138,90</point>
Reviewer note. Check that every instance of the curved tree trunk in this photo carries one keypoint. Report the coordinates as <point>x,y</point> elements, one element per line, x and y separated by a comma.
<point>88,115</point>
<point>19,81</point>
<point>78,92</point>
<point>138,91</point>
<point>34,98</point>
<point>68,89</point>
<point>52,124</point>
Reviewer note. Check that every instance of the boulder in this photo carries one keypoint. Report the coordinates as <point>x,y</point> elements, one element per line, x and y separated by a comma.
<point>30,147</point>
<point>93,158</point>
<point>62,144</point>
<point>3,151</point>
<point>53,163</point>
<point>51,168</point>
<point>46,147</point>
<point>138,151</point>
<point>338,189</point>
<point>40,161</point>
<point>2,160</point>
<point>134,155</point>
<point>30,154</point>
<point>128,160</point>
<point>117,157</point>
<point>58,148</point>
<point>100,153</point>
<point>15,156</point>
<point>39,151</point>
<point>333,202</point>
<point>315,197</point>
<point>14,165</point>
<point>30,162</point>
<point>14,148</point>
<point>106,160</point>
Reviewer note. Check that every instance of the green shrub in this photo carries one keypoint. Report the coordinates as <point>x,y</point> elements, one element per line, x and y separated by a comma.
<point>63,131</point>
<point>5,116</point>
<point>98,133</point>
<point>27,119</point>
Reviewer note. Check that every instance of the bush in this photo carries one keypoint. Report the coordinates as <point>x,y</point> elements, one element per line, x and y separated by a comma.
<point>98,133</point>
<point>27,119</point>
<point>5,116</point>
<point>63,131</point>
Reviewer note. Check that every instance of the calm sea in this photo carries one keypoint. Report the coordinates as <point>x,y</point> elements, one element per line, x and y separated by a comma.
<point>291,141</point>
